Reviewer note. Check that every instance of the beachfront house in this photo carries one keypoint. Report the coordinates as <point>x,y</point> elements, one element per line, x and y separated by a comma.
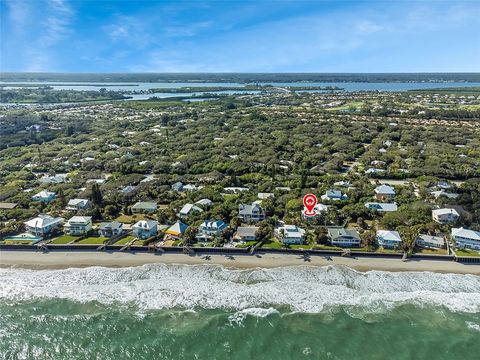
<point>389,239</point>
<point>188,209</point>
<point>334,195</point>
<point>145,229</point>
<point>43,225</point>
<point>78,204</point>
<point>384,192</point>
<point>177,229</point>
<point>381,207</point>
<point>429,241</point>
<point>339,236</point>
<point>245,233</point>
<point>209,229</point>
<point>290,234</point>
<point>144,207</point>
<point>251,213</point>
<point>109,229</point>
<point>466,238</point>
<point>44,196</point>
<point>445,216</point>
<point>78,225</point>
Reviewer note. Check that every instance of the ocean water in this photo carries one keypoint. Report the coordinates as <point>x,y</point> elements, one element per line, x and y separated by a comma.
<point>210,312</point>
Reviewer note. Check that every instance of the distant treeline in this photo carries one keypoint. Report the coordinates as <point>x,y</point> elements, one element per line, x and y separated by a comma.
<point>243,77</point>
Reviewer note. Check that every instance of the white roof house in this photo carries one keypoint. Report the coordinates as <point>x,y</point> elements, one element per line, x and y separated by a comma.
<point>263,196</point>
<point>334,195</point>
<point>204,202</point>
<point>187,208</point>
<point>445,215</point>
<point>43,224</point>
<point>290,234</point>
<point>78,204</point>
<point>78,225</point>
<point>389,238</point>
<point>466,238</point>
<point>385,190</point>
<point>439,193</point>
<point>381,207</point>
<point>44,196</point>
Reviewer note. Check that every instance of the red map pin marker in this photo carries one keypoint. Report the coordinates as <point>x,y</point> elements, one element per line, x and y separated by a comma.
<point>309,201</point>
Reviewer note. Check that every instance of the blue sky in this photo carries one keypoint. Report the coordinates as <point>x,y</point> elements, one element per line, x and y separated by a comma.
<point>240,36</point>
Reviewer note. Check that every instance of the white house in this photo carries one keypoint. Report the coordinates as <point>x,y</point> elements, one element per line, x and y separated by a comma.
<point>381,207</point>
<point>209,229</point>
<point>44,196</point>
<point>263,196</point>
<point>445,216</point>
<point>290,234</point>
<point>429,241</point>
<point>189,208</point>
<point>78,225</point>
<point>439,193</point>
<point>78,204</point>
<point>204,202</point>
<point>465,238</point>
<point>109,229</point>
<point>384,192</point>
<point>339,236</point>
<point>251,213</point>
<point>145,229</point>
<point>43,225</point>
<point>144,207</point>
<point>334,195</point>
<point>319,208</point>
<point>389,239</point>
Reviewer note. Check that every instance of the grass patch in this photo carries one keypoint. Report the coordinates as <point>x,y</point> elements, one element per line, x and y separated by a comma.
<point>272,244</point>
<point>431,251</point>
<point>467,252</point>
<point>65,239</point>
<point>246,244</point>
<point>92,240</point>
<point>125,240</point>
<point>130,219</point>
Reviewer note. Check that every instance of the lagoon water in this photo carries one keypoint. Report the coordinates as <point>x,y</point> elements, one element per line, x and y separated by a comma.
<point>210,312</point>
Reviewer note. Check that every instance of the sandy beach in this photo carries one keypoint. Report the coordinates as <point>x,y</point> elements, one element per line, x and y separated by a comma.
<point>61,260</point>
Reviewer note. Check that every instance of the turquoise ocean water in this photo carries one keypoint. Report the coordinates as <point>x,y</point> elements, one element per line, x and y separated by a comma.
<point>209,312</point>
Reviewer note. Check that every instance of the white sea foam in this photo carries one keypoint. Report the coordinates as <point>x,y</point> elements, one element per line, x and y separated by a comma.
<point>300,288</point>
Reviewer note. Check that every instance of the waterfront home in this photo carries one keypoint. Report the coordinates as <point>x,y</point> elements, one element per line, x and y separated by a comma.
<point>43,225</point>
<point>188,208</point>
<point>204,202</point>
<point>78,225</point>
<point>381,207</point>
<point>56,179</point>
<point>440,193</point>
<point>334,195</point>
<point>177,229</point>
<point>78,204</point>
<point>384,192</point>
<point>290,234</point>
<point>145,229</point>
<point>465,238</point>
<point>109,229</point>
<point>445,216</point>
<point>339,236</point>
<point>429,241</point>
<point>209,229</point>
<point>44,196</point>
<point>144,207</point>
<point>245,233</point>
<point>251,213</point>
<point>319,209</point>
<point>389,239</point>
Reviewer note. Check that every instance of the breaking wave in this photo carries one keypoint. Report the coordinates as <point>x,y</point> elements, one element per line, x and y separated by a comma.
<point>254,292</point>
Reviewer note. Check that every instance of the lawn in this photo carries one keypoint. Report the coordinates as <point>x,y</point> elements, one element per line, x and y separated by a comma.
<point>247,244</point>
<point>272,244</point>
<point>64,239</point>
<point>130,219</point>
<point>125,240</point>
<point>466,252</point>
<point>93,240</point>
<point>431,251</point>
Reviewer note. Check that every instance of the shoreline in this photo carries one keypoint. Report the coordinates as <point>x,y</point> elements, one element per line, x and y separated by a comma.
<point>81,259</point>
